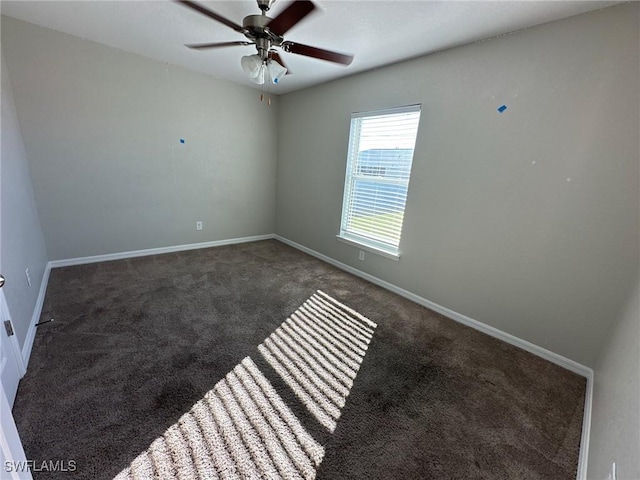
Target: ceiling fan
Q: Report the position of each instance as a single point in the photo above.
(266, 33)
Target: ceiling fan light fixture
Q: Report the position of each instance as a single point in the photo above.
(259, 76)
(251, 64)
(276, 71)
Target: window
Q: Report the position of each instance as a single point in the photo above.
(379, 161)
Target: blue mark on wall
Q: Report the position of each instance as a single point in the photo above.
(182, 140)
(502, 108)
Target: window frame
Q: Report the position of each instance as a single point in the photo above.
(345, 235)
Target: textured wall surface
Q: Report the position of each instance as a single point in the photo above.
(102, 132)
(615, 426)
(526, 220)
(21, 239)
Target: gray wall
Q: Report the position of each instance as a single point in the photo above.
(487, 232)
(615, 426)
(21, 239)
(102, 132)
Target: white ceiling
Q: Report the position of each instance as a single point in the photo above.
(377, 32)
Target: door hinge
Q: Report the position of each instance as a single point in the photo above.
(8, 327)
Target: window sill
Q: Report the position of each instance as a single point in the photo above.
(368, 248)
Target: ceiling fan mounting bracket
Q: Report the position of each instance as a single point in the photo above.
(265, 5)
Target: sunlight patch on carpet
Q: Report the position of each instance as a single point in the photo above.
(318, 351)
(242, 428)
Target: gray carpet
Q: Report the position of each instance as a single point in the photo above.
(137, 344)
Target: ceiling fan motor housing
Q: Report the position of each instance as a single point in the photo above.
(256, 30)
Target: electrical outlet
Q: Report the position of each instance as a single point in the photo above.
(26, 274)
(361, 255)
(198, 225)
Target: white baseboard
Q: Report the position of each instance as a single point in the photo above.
(552, 357)
(37, 311)
(15, 345)
(458, 317)
(154, 251)
(31, 334)
(586, 430)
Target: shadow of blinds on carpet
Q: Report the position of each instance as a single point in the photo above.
(222, 436)
(318, 351)
(242, 428)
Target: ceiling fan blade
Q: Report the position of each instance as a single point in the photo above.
(210, 14)
(291, 15)
(315, 52)
(275, 56)
(201, 46)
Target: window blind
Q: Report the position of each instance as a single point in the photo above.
(379, 160)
